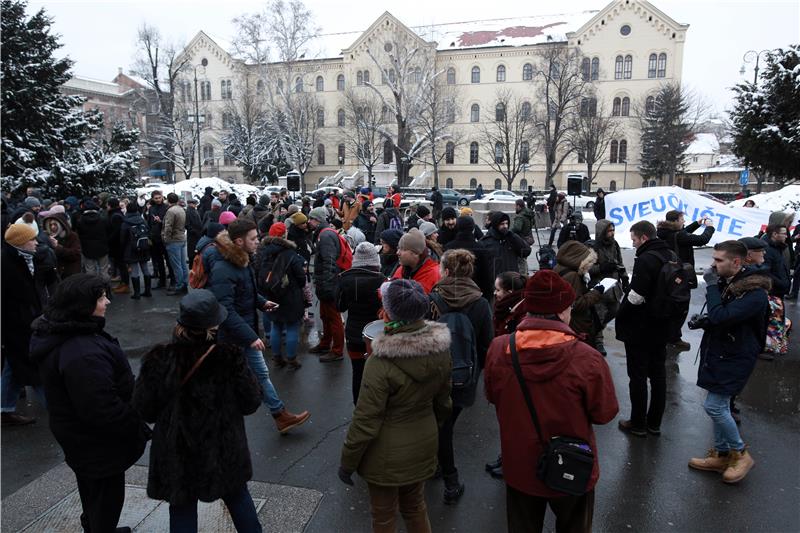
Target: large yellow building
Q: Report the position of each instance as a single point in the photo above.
(630, 48)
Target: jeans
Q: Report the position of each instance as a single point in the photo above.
(647, 362)
(267, 324)
(384, 503)
(726, 434)
(176, 251)
(96, 266)
(255, 359)
(183, 517)
(10, 389)
(447, 457)
(525, 513)
(332, 327)
(101, 500)
(139, 270)
(292, 337)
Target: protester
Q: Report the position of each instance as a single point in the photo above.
(395, 195)
(479, 191)
(599, 207)
(415, 261)
(393, 435)
(447, 230)
(66, 244)
(173, 233)
(437, 203)
(524, 222)
(609, 265)
(357, 295)
(431, 233)
(390, 240)
(575, 230)
(559, 213)
(465, 240)
(136, 248)
(155, 221)
(205, 201)
(570, 387)
(507, 250)
(93, 231)
(733, 336)
(115, 217)
(389, 218)
(212, 214)
(775, 263)
(194, 228)
(552, 198)
(350, 210)
(89, 384)
(367, 221)
(749, 203)
(508, 296)
(299, 235)
(573, 262)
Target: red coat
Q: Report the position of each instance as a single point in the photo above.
(396, 200)
(571, 388)
(427, 274)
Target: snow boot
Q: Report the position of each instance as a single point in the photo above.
(136, 283)
(148, 280)
(740, 463)
(714, 461)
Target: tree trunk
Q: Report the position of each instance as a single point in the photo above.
(435, 166)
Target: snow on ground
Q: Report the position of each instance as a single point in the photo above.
(786, 199)
(196, 186)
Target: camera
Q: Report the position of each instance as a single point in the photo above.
(699, 321)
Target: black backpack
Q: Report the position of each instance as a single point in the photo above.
(275, 281)
(546, 257)
(673, 288)
(140, 237)
(463, 348)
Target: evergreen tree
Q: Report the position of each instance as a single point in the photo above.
(765, 119)
(666, 134)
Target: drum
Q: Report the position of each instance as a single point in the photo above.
(371, 331)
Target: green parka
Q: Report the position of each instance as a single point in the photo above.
(404, 399)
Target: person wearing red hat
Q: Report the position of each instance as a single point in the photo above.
(570, 387)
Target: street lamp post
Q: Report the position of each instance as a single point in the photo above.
(749, 57)
(203, 63)
(625, 176)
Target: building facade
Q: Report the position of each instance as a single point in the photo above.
(629, 48)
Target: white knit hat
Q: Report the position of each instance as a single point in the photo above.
(366, 256)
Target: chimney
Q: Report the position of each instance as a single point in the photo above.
(119, 70)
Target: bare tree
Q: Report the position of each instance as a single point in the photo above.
(438, 115)
(511, 138)
(364, 141)
(561, 87)
(175, 141)
(590, 134)
(296, 122)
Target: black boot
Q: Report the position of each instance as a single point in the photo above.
(147, 281)
(494, 465)
(453, 488)
(136, 283)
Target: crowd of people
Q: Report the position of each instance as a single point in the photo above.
(455, 303)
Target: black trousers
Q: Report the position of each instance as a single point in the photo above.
(159, 257)
(447, 458)
(102, 501)
(676, 324)
(358, 373)
(525, 513)
(647, 362)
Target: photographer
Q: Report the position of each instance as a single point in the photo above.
(735, 330)
(575, 230)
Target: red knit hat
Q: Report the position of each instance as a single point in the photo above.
(546, 293)
(278, 229)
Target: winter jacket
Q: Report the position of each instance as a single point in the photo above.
(577, 232)
(300, 238)
(609, 256)
(93, 231)
(560, 213)
(778, 271)
(405, 398)
(292, 305)
(357, 294)
(363, 222)
(233, 282)
(483, 273)
(389, 263)
(205, 204)
(194, 226)
(115, 218)
(681, 240)
(426, 273)
(156, 211)
(508, 312)
(523, 224)
(571, 388)
(212, 215)
(88, 384)
(174, 229)
(21, 304)
(199, 449)
(68, 250)
(350, 211)
(572, 263)
(129, 252)
(505, 249)
(325, 268)
(737, 312)
(437, 200)
(462, 295)
(385, 220)
(599, 208)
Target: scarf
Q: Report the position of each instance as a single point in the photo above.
(503, 314)
(28, 257)
(402, 326)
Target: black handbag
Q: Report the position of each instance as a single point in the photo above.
(567, 462)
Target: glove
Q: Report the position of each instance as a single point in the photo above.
(608, 268)
(345, 476)
(710, 276)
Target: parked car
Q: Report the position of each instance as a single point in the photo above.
(501, 195)
(272, 188)
(582, 202)
(325, 190)
(450, 197)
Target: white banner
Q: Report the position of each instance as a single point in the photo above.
(652, 203)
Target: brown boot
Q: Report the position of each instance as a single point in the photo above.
(713, 462)
(286, 420)
(122, 288)
(739, 465)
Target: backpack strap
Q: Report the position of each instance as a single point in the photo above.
(197, 365)
(525, 392)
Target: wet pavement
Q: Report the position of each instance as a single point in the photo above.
(645, 485)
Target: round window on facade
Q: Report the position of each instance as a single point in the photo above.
(387, 47)
(625, 30)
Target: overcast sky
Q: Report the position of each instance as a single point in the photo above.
(100, 35)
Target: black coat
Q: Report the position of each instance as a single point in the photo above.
(199, 449)
(599, 208)
(682, 240)
(159, 211)
(483, 272)
(505, 251)
(778, 271)
(325, 268)
(292, 305)
(194, 225)
(94, 232)
(115, 218)
(581, 234)
(363, 223)
(205, 203)
(300, 238)
(129, 254)
(88, 384)
(357, 293)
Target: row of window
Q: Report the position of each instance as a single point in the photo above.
(656, 66)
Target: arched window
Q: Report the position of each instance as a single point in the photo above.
(500, 112)
(340, 118)
(626, 106)
(476, 75)
(524, 152)
(451, 76)
(498, 152)
(449, 183)
(449, 153)
(473, 153)
(320, 84)
(650, 105)
(523, 184)
(388, 153)
(628, 69)
(586, 67)
(614, 149)
(618, 68)
(498, 184)
(298, 85)
(475, 113)
(320, 118)
(451, 112)
(340, 154)
(615, 107)
(612, 186)
(385, 115)
(340, 82)
(588, 107)
(366, 76)
(595, 68)
(581, 156)
(501, 73)
(417, 76)
(662, 65)
(652, 183)
(320, 154)
(525, 112)
(623, 151)
(208, 154)
(392, 76)
(651, 66)
(473, 183)
(527, 72)
(260, 87)
(359, 78)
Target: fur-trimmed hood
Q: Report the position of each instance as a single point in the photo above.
(674, 225)
(576, 256)
(749, 282)
(230, 252)
(414, 351)
(279, 241)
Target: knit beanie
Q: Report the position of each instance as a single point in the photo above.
(278, 229)
(404, 299)
(355, 237)
(298, 218)
(263, 200)
(448, 213)
(392, 237)
(292, 209)
(227, 217)
(216, 203)
(318, 213)
(19, 233)
(413, 241)
(546, 293)
(428, 228)
(466, 212)
(366, 256)
(32, 201)
(423, 211)
(465, 224)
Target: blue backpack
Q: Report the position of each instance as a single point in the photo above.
(463, 348)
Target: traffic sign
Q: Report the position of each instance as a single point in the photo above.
(744, 177)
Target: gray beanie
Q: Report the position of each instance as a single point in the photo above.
(32, 201)
(404, 299)
(355, 237)
(216, 202)
(318, 213)
(428, 228)
(366, 256)
(413, 241)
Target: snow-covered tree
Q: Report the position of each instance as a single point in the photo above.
(765, 119)
(296, 124)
